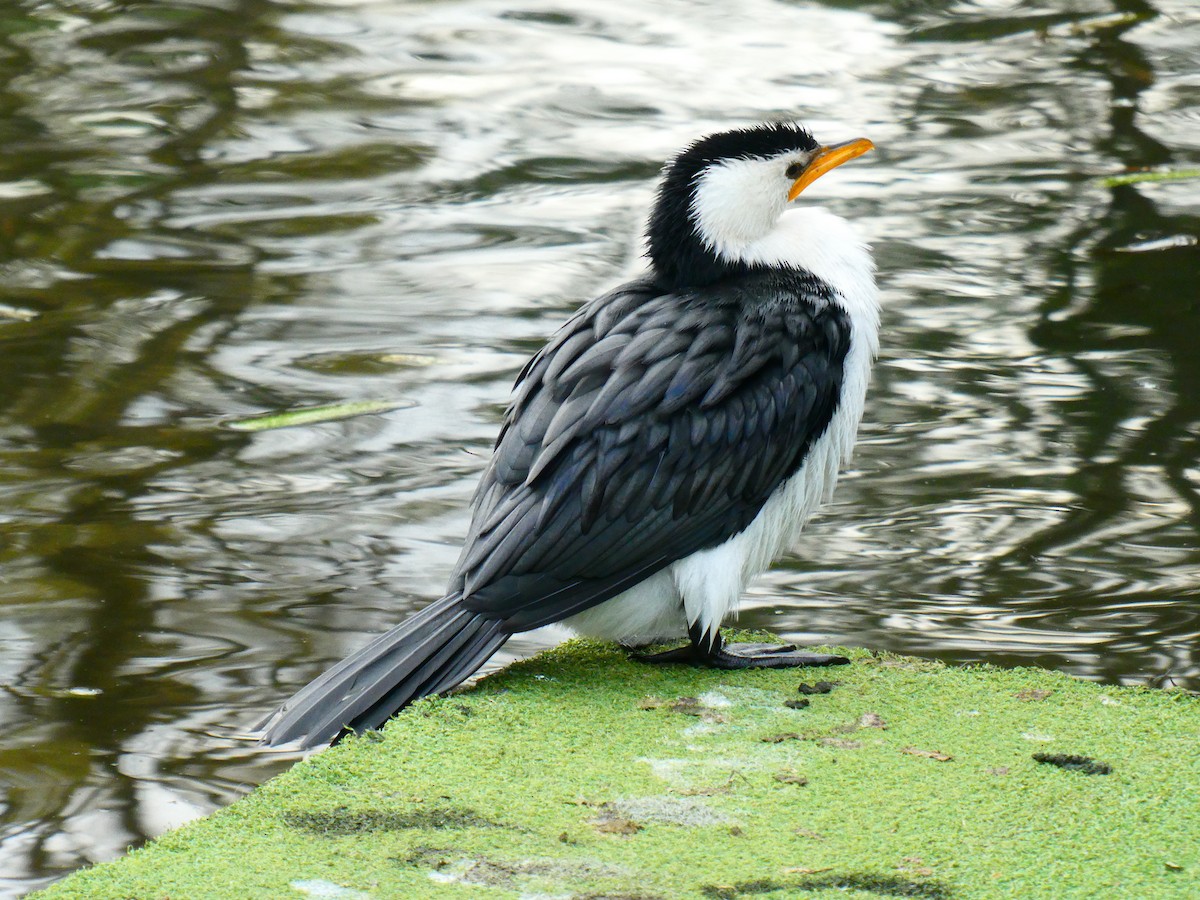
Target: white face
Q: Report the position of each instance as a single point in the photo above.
(738, 201)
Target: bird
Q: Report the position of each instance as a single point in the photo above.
(667, 443)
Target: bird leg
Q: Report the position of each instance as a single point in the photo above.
(716, 654)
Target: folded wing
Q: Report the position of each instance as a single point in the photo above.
(652, 426)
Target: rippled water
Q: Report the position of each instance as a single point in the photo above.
(217, 208)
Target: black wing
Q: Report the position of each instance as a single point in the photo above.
(653, 425)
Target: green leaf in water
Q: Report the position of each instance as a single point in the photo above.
(315, 414)
(17, 313)
(1149, 176)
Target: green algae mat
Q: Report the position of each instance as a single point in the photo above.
(580, 774)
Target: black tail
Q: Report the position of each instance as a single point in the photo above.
(430, 652)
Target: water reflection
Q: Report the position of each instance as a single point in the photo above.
(1126, 332)
(1053, 543)
(249, 206)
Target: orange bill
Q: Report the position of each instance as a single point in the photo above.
(828, 158)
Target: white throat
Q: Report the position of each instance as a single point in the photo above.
(743, 216)
(814, 239)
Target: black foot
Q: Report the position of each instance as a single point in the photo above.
(719, 655)
(769, 656)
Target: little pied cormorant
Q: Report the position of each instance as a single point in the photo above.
(666, 444)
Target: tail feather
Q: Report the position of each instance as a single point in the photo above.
(428, 653)
(472, 656)
(341, 691)
(448, 666)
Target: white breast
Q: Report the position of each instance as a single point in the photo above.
(709, 583)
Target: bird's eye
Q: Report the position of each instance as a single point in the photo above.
(794, 171)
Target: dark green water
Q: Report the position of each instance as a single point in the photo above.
(217, 208)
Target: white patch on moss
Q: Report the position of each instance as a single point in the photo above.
(669, 811)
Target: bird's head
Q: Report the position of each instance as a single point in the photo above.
(727, 191)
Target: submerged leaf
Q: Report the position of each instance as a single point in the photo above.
(1150, 176)
(315, 414)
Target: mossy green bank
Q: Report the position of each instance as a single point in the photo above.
(582, 774)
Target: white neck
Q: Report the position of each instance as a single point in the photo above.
(820, 242)
(817, 241)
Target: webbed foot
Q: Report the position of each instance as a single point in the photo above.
(719, 655)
